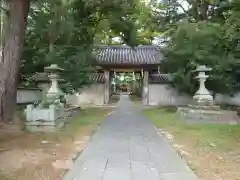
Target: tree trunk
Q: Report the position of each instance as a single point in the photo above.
(10, 64)
(203, 10)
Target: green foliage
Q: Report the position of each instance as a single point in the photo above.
(199, 43)
(215, 44)
(63, 32)
(232, 26)
(205, 32)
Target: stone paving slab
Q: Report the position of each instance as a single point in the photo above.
(128, 147)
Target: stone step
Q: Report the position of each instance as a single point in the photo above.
(205, 107)
(209, 116)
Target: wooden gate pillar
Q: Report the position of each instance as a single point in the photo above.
(145, 92)
(106, 87)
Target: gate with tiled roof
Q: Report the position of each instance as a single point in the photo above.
(145, 60)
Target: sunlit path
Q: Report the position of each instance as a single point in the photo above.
(128, 147)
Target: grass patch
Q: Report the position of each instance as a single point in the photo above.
(224, 136)
(135, 98)
(217, 144)
(4, 177)
(87, 117)
(114, 98)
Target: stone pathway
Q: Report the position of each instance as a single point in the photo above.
(128, 147)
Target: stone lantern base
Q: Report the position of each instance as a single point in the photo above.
(203, 99)
(203, 110)
(208, 114)
(49, 119)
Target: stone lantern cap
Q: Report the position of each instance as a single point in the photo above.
(202, 68)
(53, 68)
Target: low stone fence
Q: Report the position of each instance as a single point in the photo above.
(28, 95)
(165, 95)
(48, 119)
(91, 95)
(228, 100)
(158, 95)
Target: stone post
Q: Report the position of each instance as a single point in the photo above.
(54, 92)
(106, 87)
(203, 96)
(51, 115)
(28, 112)
(114, 85)
(145, 88)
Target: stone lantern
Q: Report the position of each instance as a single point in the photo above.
(50, 114)
(54, 92)
(114, 85)
(203, 96)
(205, 111)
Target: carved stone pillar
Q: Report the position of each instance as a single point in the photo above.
(145, 88)
(106, 87)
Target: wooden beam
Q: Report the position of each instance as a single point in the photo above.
(129, 66)
(145, 88)
(125, 70)
(106, 87)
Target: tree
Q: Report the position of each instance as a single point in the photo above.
(10, 64)
(3, 22)
(198, 10)
(215, 44)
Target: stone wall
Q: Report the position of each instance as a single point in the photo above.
(92, 95)
(165, 95)
(229, 100)
(158, 94)
(28, 95)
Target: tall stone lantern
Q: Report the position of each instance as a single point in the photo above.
(203, 96)
(205, 111)
(114, 85)
(54, 93)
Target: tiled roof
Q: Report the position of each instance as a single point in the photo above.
(159, 78)
(98, 77)
(125, 55)
(153, 78)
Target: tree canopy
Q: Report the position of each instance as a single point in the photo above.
(65, 32)
(205, 33)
